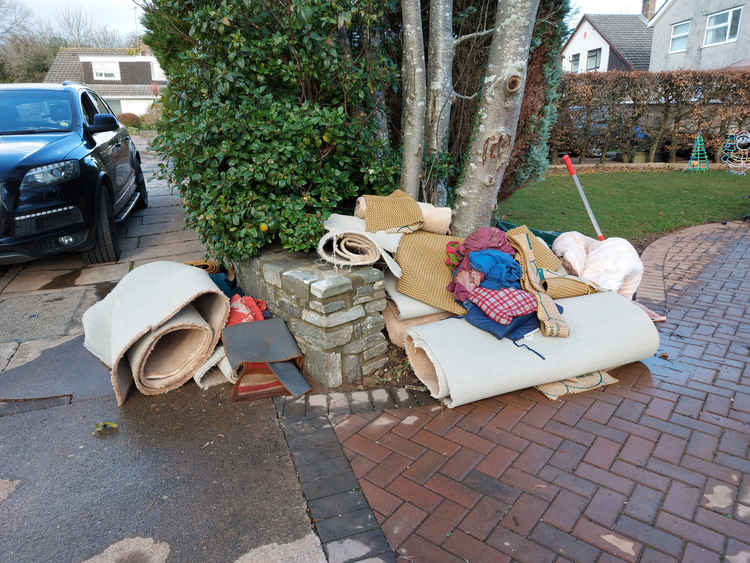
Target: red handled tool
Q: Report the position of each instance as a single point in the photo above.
(572, 171)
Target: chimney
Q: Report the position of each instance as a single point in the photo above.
(648, 9)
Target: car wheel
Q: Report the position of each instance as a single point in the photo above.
(106, 247)
(140, 182)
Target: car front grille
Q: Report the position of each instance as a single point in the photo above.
(47, 220)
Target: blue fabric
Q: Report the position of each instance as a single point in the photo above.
(517, 329)
(223, 284)
(499, 269)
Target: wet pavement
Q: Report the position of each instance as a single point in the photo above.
(187, 476)
(654, 468)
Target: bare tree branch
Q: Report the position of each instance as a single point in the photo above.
(470, 36)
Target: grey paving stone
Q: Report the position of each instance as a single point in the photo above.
(357, 547)
(340, 503)
(344, 525)
(330, 486)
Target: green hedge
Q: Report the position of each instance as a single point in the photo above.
(267, 122)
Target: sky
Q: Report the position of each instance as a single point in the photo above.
(117, 14)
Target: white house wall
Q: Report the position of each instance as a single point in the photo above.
(136, 106)
(698, 56)
(584, 40)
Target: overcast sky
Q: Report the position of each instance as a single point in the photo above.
(120, 14)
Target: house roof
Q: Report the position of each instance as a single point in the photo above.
(627, 34)
(67, 65)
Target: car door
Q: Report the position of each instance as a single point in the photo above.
(123, 161)
(104, 150)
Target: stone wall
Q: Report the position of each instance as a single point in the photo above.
(334, 314)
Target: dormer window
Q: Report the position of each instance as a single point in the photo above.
(106, 70)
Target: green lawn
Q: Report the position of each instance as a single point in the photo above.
(633, 205)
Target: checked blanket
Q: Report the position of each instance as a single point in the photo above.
(502, 305)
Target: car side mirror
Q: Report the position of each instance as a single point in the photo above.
(103, 122)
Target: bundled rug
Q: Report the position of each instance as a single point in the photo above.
(157, 327)
(460, 363)
(348, 244)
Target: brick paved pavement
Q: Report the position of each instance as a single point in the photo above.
(654, 468)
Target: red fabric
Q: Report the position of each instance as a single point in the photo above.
(245, 309)
(501, 305)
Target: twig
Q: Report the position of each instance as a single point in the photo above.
(470, 36)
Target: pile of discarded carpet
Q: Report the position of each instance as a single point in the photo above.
(496, 311)
(161, 326)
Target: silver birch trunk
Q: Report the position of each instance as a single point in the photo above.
(440, 86)
(414, 91)
(497, 117)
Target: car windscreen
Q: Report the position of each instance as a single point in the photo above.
(35, 111)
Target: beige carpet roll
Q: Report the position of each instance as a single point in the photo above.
(406, 307)
(169, 355)
(157, 327)
(397, 327)
(460, 363)
(435, 219)
(394, 213)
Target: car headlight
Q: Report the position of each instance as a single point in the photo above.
(51, 174)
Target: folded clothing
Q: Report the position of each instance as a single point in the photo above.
(517, 328)
(502, 305)
(499, 269)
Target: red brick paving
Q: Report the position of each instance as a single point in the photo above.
(654, 468)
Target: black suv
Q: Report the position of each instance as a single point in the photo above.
(69, 172)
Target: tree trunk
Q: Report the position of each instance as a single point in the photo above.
(440, 89)
(414, 88)
(381, 111)
(656, 141)
(584, 147)
(497, 117)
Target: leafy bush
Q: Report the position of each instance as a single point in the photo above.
(267, 123)
(129, 119)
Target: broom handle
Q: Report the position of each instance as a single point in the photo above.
(572, 171)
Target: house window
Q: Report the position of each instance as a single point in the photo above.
(723, 27)
(680, 32)
(574, 62)
(106, 70)
(594, 59)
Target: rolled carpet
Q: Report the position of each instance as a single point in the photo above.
(348, 244)
(460, 364)
(397, 327)
(157, 327)
(435, 219)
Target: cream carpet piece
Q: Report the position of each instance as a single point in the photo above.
(157, 327)
(346, 243)
(406, 307)
(215, 371)
(460, 363)
(398, 327)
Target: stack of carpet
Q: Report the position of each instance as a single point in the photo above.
(497, 311)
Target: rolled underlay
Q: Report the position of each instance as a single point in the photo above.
(166, 357)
